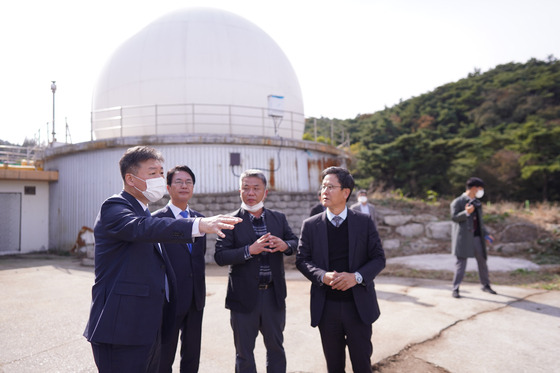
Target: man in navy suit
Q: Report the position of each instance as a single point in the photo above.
(340, 253)
(133, 277)
(256, 294)
(188, 264)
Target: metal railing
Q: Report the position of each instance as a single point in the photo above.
(168, 119)
(20, 155)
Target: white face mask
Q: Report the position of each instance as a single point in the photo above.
(362, 199)
(479, 193)
(155, 188)
(253, 208)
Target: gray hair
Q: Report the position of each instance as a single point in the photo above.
(252, 173)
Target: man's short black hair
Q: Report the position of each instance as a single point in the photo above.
(344, 178)
(475, 182)
(362, 191)
(130, 161)
(184, 168)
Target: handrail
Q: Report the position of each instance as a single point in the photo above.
(119, 121)
(20, 155)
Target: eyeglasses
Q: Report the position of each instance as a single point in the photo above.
(330, 187)
(179, 183)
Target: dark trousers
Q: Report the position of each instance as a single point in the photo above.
(190, 326)
(111, 358)
(270, 321)
(341, 326)
(461, 265)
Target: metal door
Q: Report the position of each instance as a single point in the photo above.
(10, 222)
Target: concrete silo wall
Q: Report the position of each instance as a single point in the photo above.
(89, 174)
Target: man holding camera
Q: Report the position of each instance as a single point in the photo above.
(468, 235)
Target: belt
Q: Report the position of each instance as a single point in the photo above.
(265, 286)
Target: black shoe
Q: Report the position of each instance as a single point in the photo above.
(488, 289)
(456, 293)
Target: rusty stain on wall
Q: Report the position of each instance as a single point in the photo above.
(271, 179)
(318, 165)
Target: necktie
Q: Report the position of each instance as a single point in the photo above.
(148, 213)
(185, 214)
(337, 220)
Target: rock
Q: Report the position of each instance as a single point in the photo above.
(511, 247)
(410, 230)
(384, 211)
(424, 218)
(440, 230)
(422, 244)
(391, 244)
(383, 230)
(519, 232)
(397, 220)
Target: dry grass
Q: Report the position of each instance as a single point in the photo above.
(545, 251)
(548, 278)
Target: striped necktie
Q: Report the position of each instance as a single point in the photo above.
(337, 220)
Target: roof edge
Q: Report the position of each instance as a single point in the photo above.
(198, 138)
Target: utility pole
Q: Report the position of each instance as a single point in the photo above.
(53, 89)
(315, 128)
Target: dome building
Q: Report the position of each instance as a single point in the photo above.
(207, 88)
(198, 71)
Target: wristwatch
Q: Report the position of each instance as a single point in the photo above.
(359, 278)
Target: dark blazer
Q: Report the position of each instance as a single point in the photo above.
(317, 209)
(366, 256)
(462, 237)
(189, 267)
(129, 290)
(243, 280)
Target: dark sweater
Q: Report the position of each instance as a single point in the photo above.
(337, 239)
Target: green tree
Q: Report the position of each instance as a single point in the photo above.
(539, 145)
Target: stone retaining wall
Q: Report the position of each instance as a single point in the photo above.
(401, 234)
(296, 207)
(414, 234)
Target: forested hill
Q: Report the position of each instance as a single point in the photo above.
(502, 125)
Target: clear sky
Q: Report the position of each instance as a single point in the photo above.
(351, 56)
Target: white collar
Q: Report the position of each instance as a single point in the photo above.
(343, 214)
(176, 210)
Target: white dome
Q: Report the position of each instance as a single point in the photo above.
(198, 70)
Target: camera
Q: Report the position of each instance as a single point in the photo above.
(476, 203)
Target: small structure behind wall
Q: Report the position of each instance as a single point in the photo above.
(24, 202)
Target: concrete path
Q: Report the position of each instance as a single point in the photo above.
(447, 262)
(44, 305)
